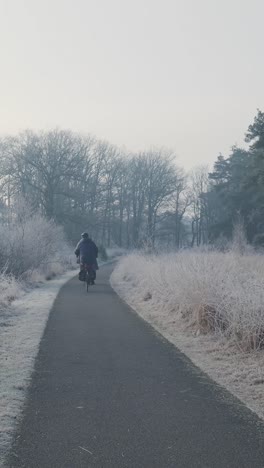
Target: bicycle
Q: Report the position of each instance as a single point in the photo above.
(89, 275)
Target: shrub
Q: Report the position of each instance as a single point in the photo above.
(30, 243)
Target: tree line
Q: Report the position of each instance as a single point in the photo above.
(87, 184)
(133, 199)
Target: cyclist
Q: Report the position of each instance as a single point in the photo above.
(87, 251)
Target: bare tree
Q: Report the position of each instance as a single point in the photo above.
(161, 173)
(87, 184)
(180, 202)
(41, 166)
(199, 183)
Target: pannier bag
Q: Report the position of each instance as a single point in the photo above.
(82, 275)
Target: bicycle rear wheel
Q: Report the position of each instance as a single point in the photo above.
(86, 280)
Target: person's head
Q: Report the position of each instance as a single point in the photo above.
(85, 235)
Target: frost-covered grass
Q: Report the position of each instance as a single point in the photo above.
(211, 305)
(21, 326)
(32, 250)
(209, 291)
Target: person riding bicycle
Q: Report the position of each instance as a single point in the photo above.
(87, 251)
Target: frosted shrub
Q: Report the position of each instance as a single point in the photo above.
(214, 292)
(30, 244)
(10, 289)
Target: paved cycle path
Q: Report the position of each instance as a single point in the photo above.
(109, 392)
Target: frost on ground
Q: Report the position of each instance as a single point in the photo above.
(22, 323)
(211, 306)
(32, 250)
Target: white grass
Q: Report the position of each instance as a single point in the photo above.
(21, 328)
(211, 305)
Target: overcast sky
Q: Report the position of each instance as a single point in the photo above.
(185, 74)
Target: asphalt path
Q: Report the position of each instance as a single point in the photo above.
(109, 392)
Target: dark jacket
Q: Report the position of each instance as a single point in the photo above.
(87, 251)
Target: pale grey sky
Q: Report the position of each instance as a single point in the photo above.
(185, 74)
